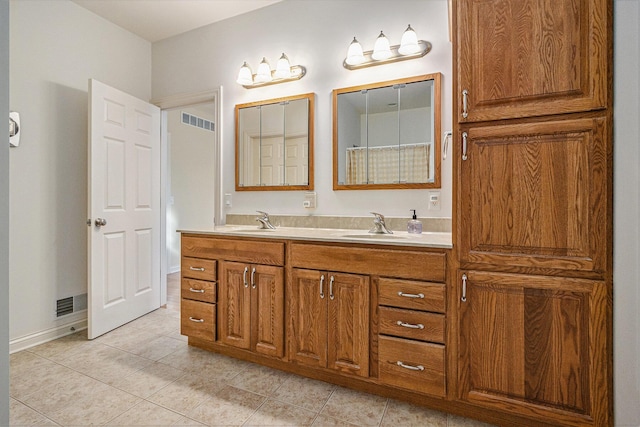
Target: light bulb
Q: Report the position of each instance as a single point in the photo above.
(264, 72)
(409, 42)
(354, 53)
(245, 76)
(381, 49)
(283, 68)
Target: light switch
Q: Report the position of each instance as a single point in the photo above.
(227, 200)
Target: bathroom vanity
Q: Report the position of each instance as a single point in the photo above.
(367, 311)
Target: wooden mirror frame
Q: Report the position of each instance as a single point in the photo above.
(437, 126)
(310, 97)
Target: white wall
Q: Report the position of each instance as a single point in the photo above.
(4, 213)
(315, 34)
(626, 267)
(191, 179)
(56, 46)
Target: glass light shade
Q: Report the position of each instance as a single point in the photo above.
(264, 72)
(354, 54)
(409, 42)
(381, 49)
(283, 68)
(245, 76)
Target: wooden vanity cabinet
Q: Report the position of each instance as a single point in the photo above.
(251, 302)
(533, 218)
(330, 320)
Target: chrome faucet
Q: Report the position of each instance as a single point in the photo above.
(379, 227)
(264, 221)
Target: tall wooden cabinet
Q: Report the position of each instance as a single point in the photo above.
(533, 211)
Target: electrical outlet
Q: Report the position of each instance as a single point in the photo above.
(434, 200)
(310, 200)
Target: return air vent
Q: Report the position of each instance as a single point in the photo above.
(190, 119)
(70, 305)
(64, 306)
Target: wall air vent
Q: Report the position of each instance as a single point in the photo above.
(191, 120)
(64, 306)
(70, 305)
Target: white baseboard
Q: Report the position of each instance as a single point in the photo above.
(175, 269)
(47, 335)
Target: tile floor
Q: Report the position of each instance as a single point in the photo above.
(145, 374)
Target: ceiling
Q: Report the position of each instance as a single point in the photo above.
(155, 20)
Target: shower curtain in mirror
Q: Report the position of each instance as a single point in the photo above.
(389, 164)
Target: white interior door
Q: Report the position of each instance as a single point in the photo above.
(124, 208)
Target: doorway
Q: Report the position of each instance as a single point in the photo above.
(191, 135)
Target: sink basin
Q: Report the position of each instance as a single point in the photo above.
(372, 236)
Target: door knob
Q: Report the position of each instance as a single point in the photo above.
(100, 222)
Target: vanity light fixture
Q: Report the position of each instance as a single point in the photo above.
(409, 48)
(284, 72)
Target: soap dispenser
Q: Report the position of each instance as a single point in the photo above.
(414, 226)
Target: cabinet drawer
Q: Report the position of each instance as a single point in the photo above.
(407, 264)
(412, 324)
(199, 290)
(195, 268)
(410, 294)
(231, 249)
(198, 319)
(412, 365)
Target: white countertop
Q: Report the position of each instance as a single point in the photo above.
(398, 238)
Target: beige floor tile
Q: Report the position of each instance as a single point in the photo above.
(275, 413)
(96, 406)
(187, 392)
(107, 364)
(228, 407)
(204, 362)
(25, 360)
(259, 379)
(22, 415)
(327, 421)
(125, 337)
(456, 421)
(148, 414)
(155, 348)
(58, 349)
(407, 415)
(26, 380)
(355, 407)
(304, 392)
(149, 380)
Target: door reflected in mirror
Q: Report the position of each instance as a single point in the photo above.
(274, 144)
(387, 135)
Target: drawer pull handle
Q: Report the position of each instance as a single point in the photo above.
(193, 319)
(244, 277)
(410, 367)
(465, 104)
(197, 291)
(410, 325)
(253, 277)
(402, 294)
(196, 268)
(331, 295)
(322, 286)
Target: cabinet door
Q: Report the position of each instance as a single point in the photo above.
(535, 345)
(530, 57)
(308, 311)
(267, 312)
(535, 195)
(348, 323)
(234, 305)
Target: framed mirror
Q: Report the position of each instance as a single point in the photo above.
(387, 135)
(274, 144)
